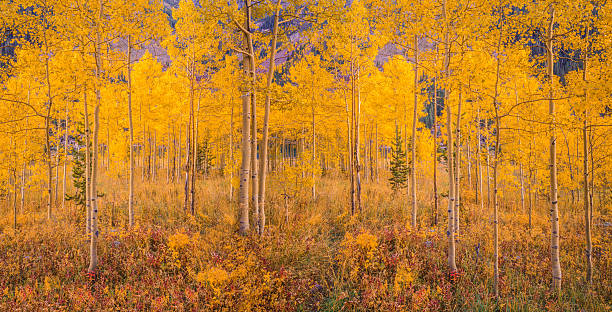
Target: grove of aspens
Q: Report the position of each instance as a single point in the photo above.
(305, 155)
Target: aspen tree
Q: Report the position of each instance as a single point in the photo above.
(195, 153)
(65, 157)
(521, 174)
(264, 147)
(87, 164)
(587, 216)
(479, 196)
(414, 123)
(451, 197)
(57, 162)
(23, 181)
(488, 153)
(585, 18)
(349, 138)
(468, 160)
(187, 156)
(313, 156)
(585, 164)
(496, 106)
(231, 152)
(168, 157)
(131, 140)
(195, 38)
(457, 160)
(376, 152)
(93, 260)
(356, 115)
(179, 151)
(250, 48)
(435, 144)
(554, 210)
(245, 167)
(14, 175)
(531, 175)
(48, 126)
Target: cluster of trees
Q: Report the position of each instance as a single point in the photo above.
(499, 93)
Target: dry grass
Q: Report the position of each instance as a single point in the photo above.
(322, 260)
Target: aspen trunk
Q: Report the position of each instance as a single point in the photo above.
(413, 141)
(179, 152)
(87, 165)
(23, 171)
(451, 187)
(245, 167)
(154, 149)
(554, 210)
(231, 153)
(131, 141)
(592, 191)
(532, 176)
(520, 161)
(370, 157)
(479, 198)
(107, 150)
(363, 154)
(376, 152)
(302, 151)
(530, 195)
(313, 156)
(149, 143)
(469, 159)
(23, 185)
(57, 162)
(495, 178)
(585, 163)
(587, 215)
(356, 148)
(187, 158)
(172, 153)
(571, 172)
(167, 154)
(144, 160)
(488, 174)
(93, 263)
(141, 155)
(495, 208)
(15, 194)
(47, 130)
(175, 151)
(435, 149)
(194, 157)
(12, 179)
(577, 158)
(65, 160)
(458, 162)
(349, 137)
(252, 83)
(522, 187)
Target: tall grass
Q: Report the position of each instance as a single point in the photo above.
(322, 259)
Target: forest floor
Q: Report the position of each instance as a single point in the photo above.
(324, 259)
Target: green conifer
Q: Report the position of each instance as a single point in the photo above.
(78, 167)
(399, 168)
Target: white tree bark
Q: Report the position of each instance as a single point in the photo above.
(245, 167)
(554, 209)
(413, 198)
(131, 141)
(93, 263)
(261, 201)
